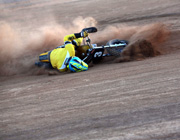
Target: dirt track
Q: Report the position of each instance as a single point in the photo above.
(137, 100)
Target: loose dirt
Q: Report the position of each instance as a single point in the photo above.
(115, 101)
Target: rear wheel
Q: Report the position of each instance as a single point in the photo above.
(116, 51)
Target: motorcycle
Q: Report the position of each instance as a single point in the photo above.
(92, 53)
(89, 52)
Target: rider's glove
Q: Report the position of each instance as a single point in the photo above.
(84, 34)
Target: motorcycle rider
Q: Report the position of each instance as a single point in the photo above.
(63, 58)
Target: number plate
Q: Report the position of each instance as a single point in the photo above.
(98, 54)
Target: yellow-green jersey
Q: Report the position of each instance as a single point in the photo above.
(59, 56)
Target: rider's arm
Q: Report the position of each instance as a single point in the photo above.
(71, 37)
(74, 39)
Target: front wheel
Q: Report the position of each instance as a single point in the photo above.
(116, 51)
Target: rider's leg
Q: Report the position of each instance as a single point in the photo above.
(44, 60)
(45, 57)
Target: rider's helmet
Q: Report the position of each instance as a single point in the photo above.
(77, 65)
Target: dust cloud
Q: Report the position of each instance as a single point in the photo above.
(20, 49)
(144, 41)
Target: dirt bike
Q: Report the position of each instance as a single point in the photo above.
(92, 53)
